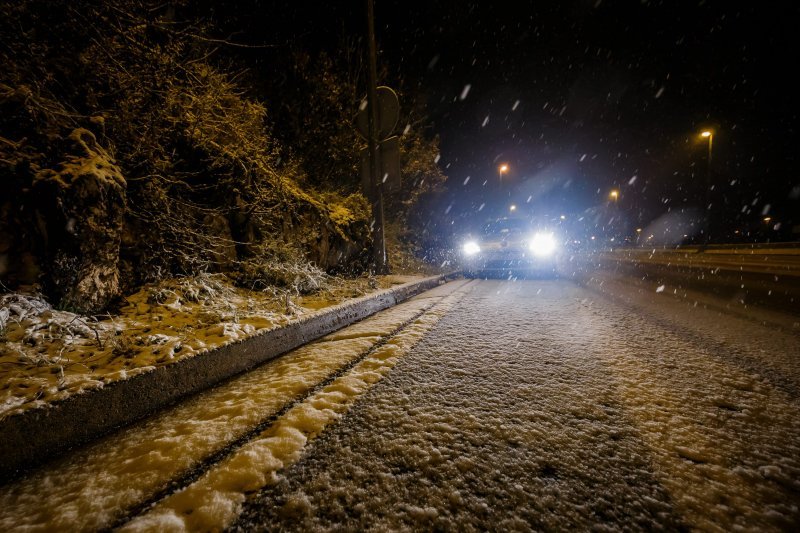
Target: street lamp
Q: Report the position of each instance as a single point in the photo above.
(613, 195)
(502, 169)
(708, 134)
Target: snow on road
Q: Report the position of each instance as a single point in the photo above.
(95, 486)
(214, 501)
(717, 403)
(763, 340)
(541, 405)
(522, 405)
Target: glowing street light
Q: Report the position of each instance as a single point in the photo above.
(708, 134)
(512, 208)
(502, 169)
(614, 195)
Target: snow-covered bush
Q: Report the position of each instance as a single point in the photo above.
(280, 268)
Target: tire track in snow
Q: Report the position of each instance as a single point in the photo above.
(503, 418)
(213, 500)
(786, 379)
(232, 447)
(724, 441)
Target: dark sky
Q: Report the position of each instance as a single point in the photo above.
(579, 97)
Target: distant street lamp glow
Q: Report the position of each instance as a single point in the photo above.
(614, 195)
(512, 207)
(708, 134)
(502, 169)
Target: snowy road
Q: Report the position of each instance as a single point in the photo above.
(538, 404)
(541, 405)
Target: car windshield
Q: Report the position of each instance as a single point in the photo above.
(506, 226)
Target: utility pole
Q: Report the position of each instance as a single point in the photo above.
(379, 262)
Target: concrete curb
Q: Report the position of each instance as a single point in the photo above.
(38, 435)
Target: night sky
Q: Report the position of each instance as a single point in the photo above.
(585, 96)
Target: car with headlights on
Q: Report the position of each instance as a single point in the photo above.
(510, 247)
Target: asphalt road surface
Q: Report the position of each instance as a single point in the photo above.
(606, 403)
(545, 405)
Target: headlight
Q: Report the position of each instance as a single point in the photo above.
(543, 244)
(471, 248)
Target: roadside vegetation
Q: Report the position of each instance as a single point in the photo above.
(136, 148)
